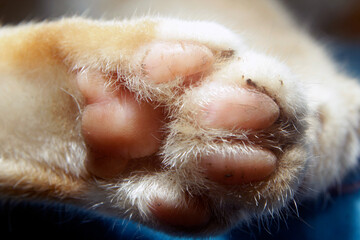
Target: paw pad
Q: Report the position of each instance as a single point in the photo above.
(122, 127)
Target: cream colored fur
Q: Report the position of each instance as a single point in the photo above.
(42, 151)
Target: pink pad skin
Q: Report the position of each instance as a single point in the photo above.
(240, 168)
(240, 109)
(166, 61)
(191, 215)
(116, 126)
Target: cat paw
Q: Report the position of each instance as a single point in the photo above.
(195, 136)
